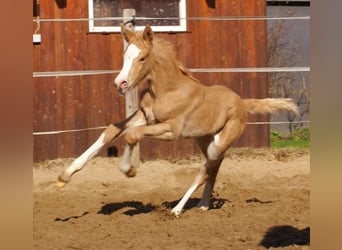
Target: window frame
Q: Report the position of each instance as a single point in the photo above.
(182, 27)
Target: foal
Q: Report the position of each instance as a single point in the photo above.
(176, 105)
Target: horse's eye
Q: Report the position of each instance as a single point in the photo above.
(142, 59)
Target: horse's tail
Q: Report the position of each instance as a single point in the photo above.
(270, 105)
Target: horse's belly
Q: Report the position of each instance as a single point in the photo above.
(201, 127)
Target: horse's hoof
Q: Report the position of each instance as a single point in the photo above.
(60, 184)
(202, 206)
(131, 173)
(177, 213)
(62, 180)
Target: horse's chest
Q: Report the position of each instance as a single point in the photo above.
(165, 110)
(162, 113)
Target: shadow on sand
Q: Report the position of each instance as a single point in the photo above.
(282, 236)
(71, 217)
(137, 207)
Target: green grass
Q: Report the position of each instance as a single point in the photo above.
(298, 139)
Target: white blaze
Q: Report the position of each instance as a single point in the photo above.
(131, 53)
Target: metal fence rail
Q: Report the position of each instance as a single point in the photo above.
(195, 70)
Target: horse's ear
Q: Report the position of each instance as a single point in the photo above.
(126, 33)
(148, 34)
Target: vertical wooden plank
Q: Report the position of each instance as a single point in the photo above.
(229, 38)
(74, 59)
(252, 53)
(58, 47)
(96, 53)
(43, 119)
(80, 121)
(77, 59)
(131, 103)
(115, 103)
(131, 96)
(209, 43)
(44, 93)
(188, 52)
(261, 61)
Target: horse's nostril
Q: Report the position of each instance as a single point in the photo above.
(123, 85)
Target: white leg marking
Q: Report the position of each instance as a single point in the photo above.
(177, 210)
(212, 150)
(125, 164)
(78, 163)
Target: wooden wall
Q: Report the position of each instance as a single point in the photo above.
(76, 102)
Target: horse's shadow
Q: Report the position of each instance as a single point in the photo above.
(215, 203)
(132, 208)
(136, 207)
(283, 236)
(71, 217)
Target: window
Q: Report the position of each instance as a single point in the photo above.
(163, 15)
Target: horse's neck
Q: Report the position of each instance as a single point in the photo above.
(165, 77)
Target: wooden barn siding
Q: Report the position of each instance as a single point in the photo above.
(62, 103)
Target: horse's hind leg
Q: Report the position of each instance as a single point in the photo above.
(201, 177)
(213, 148)
(207, 175)
(199, 180)
(110, 133)
(214, 153)
(212, 167)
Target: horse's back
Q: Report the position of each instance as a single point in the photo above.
(221, 97)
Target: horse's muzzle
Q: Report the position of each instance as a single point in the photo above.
(122, 87)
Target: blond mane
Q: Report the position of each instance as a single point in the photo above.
(163, 52)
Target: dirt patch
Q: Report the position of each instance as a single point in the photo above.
(261, 200)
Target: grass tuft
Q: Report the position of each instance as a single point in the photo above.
(297, 139)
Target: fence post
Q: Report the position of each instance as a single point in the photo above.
(131, 97)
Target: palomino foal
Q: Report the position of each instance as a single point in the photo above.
(176, 105)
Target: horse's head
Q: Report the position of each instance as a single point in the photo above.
(137, 61)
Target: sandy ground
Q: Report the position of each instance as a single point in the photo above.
(261, 201)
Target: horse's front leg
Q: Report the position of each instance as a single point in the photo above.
(125, 165)
(162, 131)
(110, 133)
